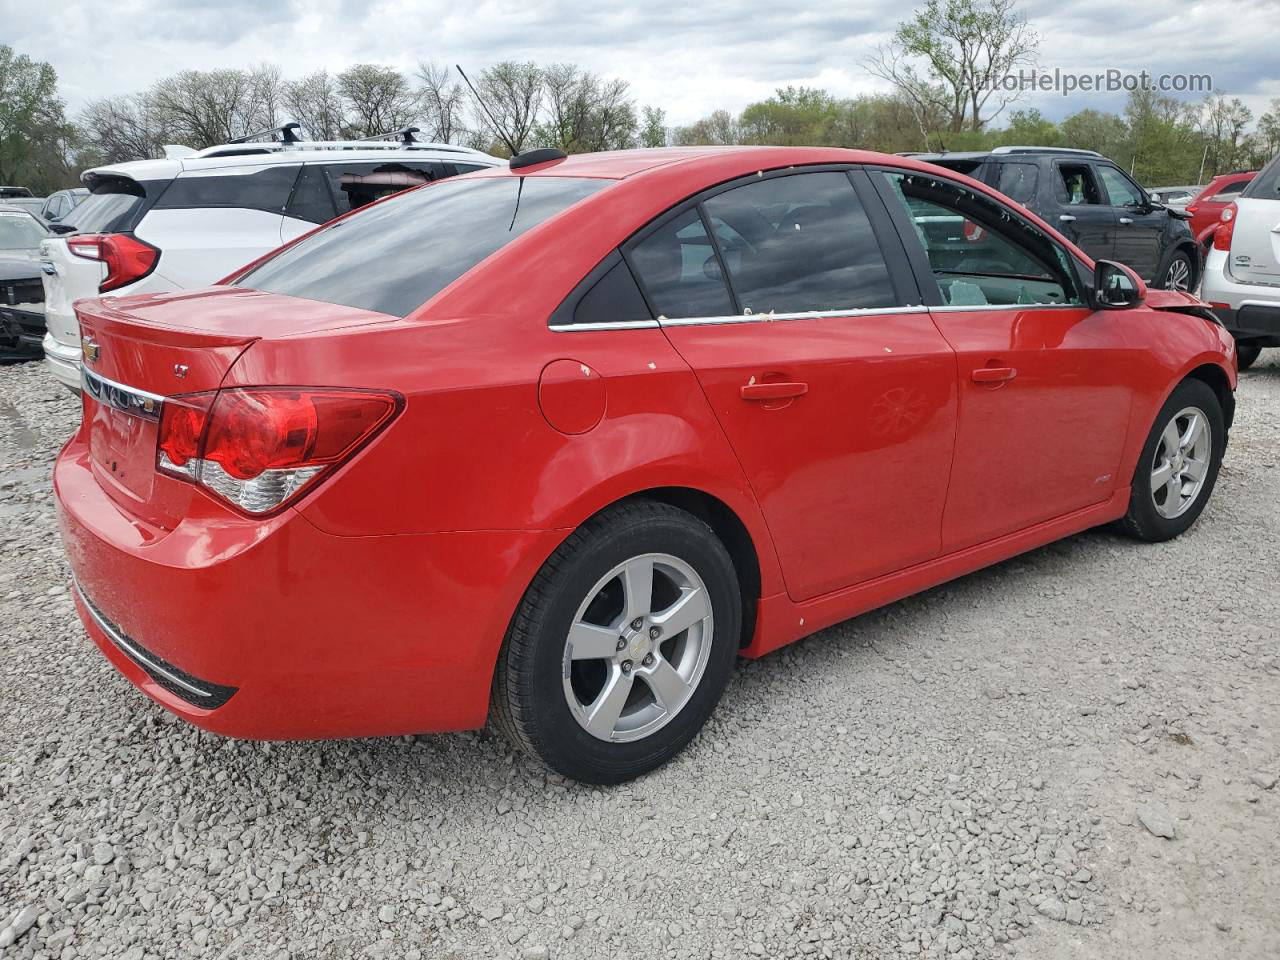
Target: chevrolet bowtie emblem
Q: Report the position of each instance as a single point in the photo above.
(91, 349)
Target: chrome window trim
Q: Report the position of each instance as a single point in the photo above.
(132, 650)
(130, 400)
(808, 315)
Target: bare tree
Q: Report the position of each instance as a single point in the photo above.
(512, 93)
(719, 128)
(124, 128)
(583, 112)
(443, 102)
(201, 108)
(951, 56)
(377, 99)
(313, 102)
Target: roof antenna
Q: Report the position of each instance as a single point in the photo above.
(496, 129)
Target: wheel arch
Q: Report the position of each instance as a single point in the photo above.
(1216, 378)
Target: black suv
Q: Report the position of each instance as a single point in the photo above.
(1094, 203)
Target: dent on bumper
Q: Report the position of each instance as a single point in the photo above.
(320, 636)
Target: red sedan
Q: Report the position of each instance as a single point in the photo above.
(555, 444)
(1206, 209)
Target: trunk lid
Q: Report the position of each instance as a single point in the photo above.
(140, 350)
(1255, 242)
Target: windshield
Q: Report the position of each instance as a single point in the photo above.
(20, 231)
(393, 257)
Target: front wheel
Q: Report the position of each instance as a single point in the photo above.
(622, 644)
(1179, 274)
(1179, 464)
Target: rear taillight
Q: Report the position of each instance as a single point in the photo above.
(127, 258)
(258, 448)
(1226, 227)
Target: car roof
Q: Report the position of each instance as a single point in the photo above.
(169, 168)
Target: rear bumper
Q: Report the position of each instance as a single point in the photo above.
(1252, 311)
(297, 634)
(62, 361)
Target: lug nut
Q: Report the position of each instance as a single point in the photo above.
(637, 623)
(648, 660)
(626, 666)
(655, 633)
(622, 642)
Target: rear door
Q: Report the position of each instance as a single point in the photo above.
(1139, 226)
(834, 387)
(1083, 213)
(212, 221)
(1255, 244)
(1043, 379)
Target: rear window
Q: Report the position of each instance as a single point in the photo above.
(114, 204)
(394, 257)
(1266, 185)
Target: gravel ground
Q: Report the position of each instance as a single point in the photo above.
(1073, 754)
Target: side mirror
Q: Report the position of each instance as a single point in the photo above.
(1116, 287)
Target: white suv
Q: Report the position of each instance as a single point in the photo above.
(195, 217)
(1242, 272)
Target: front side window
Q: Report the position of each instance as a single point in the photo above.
(800, 243)
(394, 257)
(979, 252)
(1076, 185)
(1119, 188)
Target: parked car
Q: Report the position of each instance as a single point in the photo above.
(191, 219)
(1206, 209)
(1242, 273)
(10, 193)
(1174, 196)
(1095, 203)
(58, 205)
(32, 205)
(648, 411)
(21, 292)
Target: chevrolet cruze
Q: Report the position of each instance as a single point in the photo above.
(555, 443)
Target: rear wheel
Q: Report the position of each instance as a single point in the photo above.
(1179, 464)
(1247, 355)
(621, 646)
(1179, 274)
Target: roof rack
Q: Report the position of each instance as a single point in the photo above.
(1002, 151)
(285, 137)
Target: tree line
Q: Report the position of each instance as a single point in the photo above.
(941, 63)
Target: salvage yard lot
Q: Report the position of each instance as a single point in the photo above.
(978, 771)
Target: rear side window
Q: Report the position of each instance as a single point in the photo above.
(800, 243)
(114, 204)
(311, 200)
(261, 190)
(1076, 185)
(393, 257)
(1230, 191)
(680, 271)
(1266, 185)
(1018, 181)
(356, 184)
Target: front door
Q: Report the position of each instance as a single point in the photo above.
(839, 400)
(1042, 378)
(1139, 226)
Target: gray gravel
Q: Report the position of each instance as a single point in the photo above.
(1071, 755)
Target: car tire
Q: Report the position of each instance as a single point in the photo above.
(1179, 274)
(601, 710)
(1247, 355)
(1178, 466)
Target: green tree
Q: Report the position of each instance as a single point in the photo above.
(37, 142)
(653, 127)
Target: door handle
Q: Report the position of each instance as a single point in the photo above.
(1067, 218)
(994, 374)
(773, 391)
(1126, 221)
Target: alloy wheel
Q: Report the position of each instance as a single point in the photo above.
(637, 648)
(1181, 462)
(1178, 276)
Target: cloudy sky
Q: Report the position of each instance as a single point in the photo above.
(689, 58)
